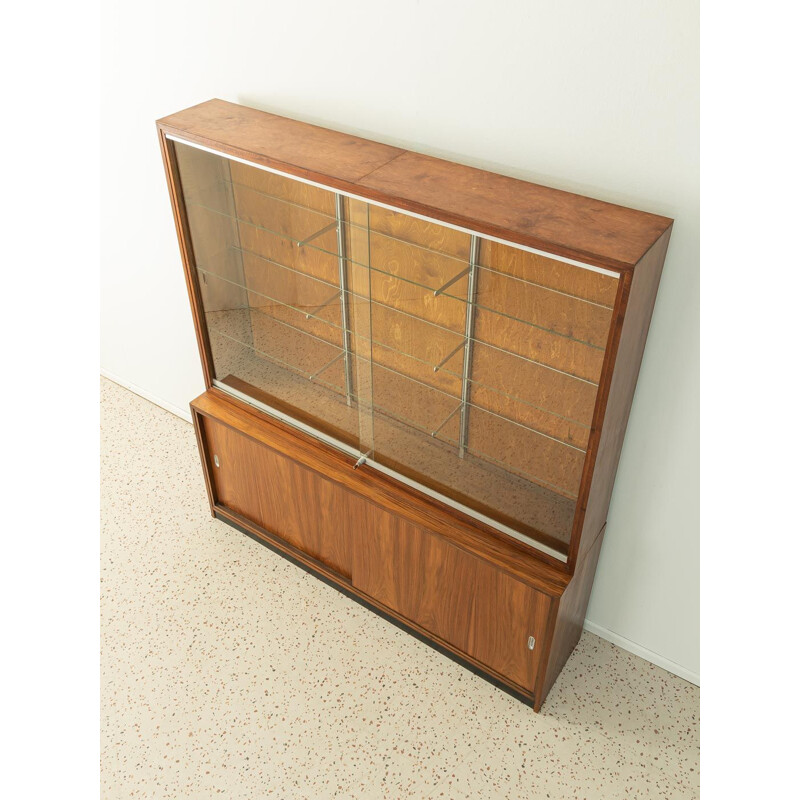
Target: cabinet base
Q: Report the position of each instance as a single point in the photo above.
(507, 614)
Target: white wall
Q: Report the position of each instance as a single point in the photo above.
(596, 98)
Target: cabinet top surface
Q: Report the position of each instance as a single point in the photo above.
(562, 223)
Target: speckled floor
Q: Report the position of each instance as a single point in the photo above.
(227, 671)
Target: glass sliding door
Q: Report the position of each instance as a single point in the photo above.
(281, 314)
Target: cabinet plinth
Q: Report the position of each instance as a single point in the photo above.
(418, 374)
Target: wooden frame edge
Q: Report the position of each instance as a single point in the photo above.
(187, 255)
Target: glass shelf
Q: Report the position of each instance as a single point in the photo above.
(292, 272)
(579, 430)
(594, 318)
(461, 364)
(608, 304)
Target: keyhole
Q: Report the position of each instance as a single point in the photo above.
(216, 460)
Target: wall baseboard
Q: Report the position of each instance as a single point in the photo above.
(592, 627)
(178, 412)
(642, 652)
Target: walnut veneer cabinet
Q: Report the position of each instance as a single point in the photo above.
(418, 374)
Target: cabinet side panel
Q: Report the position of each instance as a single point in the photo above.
(591, 517)
(570, 614)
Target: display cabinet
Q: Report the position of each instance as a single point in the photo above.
(418, 374)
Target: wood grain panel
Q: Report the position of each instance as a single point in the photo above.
(356, 235)
(287, 189)
(419, 231)
(546, 348)
(298, 505)
(424, 347)
(285, 219)
(309, 261)
(320, 570)
(410, 262)
(547, 219)
(539, 386)
(272, 288)
(548, 310)
(552, 424)
(460, 598)
(443, 311)
(558, 275)
(297, 148)
(418, 371)
(570, 615)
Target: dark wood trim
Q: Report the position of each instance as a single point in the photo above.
(506, 553)
(331, 578)
(202, 447)
(187, 256)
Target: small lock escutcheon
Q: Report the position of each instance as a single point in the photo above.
(531, 643)
(216, 460)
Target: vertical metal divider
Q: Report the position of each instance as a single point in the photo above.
(343, 293)
(469, 330)
(368, 442)
(238, 254)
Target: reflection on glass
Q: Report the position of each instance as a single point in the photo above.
(466, 365)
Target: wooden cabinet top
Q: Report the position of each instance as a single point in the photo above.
(558, 222)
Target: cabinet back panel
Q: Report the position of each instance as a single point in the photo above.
(269, 246)
(543, 271)
(268, 183)
(419, 231)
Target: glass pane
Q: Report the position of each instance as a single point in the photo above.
(280, 313)
(486, 362)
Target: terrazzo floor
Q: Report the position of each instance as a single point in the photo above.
(227, 671)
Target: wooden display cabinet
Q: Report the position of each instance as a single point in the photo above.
(418, 374)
